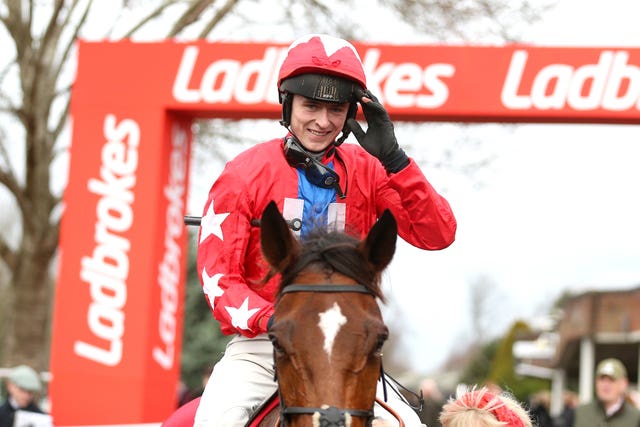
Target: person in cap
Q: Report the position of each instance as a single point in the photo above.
(480, 407)
(23, 386)
(610, 408)
(314, 179)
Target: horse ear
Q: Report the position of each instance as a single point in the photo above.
(380, 244)
(279, 246)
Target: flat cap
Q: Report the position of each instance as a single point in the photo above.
(26, 378)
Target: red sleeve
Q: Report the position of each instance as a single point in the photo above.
(226, 243)
(424, 217)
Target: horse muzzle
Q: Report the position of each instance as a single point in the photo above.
(330, 416)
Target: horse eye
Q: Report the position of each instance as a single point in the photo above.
(379, 343)
(274, 341)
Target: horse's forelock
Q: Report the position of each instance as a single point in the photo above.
(334, 252)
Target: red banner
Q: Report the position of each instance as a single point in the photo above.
(119, 298)
(119, 312)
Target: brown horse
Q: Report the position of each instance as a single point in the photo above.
(328, 331)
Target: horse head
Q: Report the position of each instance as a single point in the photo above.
(328, 330)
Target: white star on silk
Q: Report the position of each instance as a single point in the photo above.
(240, 316)
(211, 223)
(331, 44)
(210, 285)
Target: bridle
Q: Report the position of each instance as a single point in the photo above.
(330, 416)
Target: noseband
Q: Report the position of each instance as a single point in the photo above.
(330, 416)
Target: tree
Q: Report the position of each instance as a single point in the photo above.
(503, 366)
(493, 363)
(38, 45)
(478, 368)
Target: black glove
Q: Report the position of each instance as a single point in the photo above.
(380, 139)
(270, 323)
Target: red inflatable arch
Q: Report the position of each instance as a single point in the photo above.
(119, 297)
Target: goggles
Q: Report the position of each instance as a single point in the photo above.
(316, 172)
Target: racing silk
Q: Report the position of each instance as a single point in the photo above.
(230, 260)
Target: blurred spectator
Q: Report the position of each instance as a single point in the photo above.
(23, 385)
(540, 403)
(472, 407)
(633, 397)
(610, 407)
(433, 402)
(565, 419)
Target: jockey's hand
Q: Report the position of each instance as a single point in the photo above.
(266, 322)
(379, 139)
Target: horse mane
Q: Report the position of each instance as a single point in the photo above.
(332, 252)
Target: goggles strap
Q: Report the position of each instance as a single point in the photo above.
(316, 172)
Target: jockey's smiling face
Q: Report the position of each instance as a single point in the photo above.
(317, 124)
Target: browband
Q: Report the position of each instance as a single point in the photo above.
(326, 288)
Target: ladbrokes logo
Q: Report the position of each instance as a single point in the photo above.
(611, 84)
(171, 265)
(107, 269)
(225, 80)
(228, 79)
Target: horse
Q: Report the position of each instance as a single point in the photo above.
(327, 329)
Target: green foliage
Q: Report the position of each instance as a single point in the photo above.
(524, 387)
(203, 343)
(494, 363)
(503, 367)
(565, 296)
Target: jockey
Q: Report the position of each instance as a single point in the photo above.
(314, 179)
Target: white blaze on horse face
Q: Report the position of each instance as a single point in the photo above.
(330, 323)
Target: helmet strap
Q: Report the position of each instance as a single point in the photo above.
(317, 173)
(286, 100)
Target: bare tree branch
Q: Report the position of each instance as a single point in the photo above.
(13, 24)
(55, 133)
(72, 40)
(14, 111)
(8, 179)
(63, 59)
(51, 241)
(29, 22)
(10, 106)
(3, 75)
(189, 16)
(4, 155)
(151, 16)
(224, 11)
(8, 256)
(51, 34)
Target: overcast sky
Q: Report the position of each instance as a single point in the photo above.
(558, 209)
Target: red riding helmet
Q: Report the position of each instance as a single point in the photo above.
(321, 67)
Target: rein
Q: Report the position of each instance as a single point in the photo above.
(326, 288)
(329, 416)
